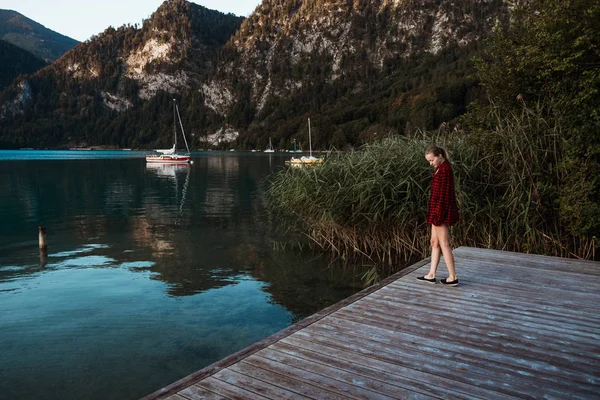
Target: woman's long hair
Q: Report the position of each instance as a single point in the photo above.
(437, 150)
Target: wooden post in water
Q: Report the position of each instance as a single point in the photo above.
(43, 245)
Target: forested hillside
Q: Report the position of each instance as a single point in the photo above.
(32, 36)
(15, 61)
(359, 69)
(111, 89)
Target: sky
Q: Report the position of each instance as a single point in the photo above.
(80, 19)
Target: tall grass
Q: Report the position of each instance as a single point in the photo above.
(509, 183)
(373, 202)
(359, 203)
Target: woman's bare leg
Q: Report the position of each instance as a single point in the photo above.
(444, 241)
(435, 253)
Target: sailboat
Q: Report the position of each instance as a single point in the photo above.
(270, 149)
(310, 160)
(170, 156)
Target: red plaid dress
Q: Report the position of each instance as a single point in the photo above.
(442, 201)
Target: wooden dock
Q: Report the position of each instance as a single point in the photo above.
(518, 326)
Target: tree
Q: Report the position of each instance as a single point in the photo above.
(551, 54)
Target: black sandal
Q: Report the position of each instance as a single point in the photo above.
(422, 278)
(449, 283)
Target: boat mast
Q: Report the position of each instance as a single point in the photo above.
(309, 140)
(174, 126)
(182, 130)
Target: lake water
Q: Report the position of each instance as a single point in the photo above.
(152, 272)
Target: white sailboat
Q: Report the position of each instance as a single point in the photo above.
(270, 149)
(170, 156)
(310, 160)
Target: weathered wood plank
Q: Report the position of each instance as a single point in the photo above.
(491, 302)
(364, 385)
(255, 369)
(518, 326)
(410, 380)
(176, 397)
(582, 364)
(492, 318)
(492, 272)
(325, 378)
(540, 263)
(427, 363)
(530, 278)
(533, 295)
(264, 388)
(509, 256)
(510, 259)
(227, 390)
(484, 304)
(198, 393)
(445, 358)
(443, 349)
(514, 347)
(516, 340)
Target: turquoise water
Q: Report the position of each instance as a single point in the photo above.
(152, 272)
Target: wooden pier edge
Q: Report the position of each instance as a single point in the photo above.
(236, 357)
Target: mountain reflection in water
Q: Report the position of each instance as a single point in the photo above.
(194, 226)
(136, 249)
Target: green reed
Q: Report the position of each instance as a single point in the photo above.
(372, 203)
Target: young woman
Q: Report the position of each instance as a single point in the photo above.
(443, 212)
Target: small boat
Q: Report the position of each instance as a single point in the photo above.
(169, 159)
(170, 156)
(305, 161)
(270, 149)
(310, 160)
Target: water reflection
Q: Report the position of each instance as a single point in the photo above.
(157, 270)
(179, 176)
(227, 166)
(197, 225)
(169, 171)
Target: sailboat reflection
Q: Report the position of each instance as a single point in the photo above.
(167, 170)
(171, 172)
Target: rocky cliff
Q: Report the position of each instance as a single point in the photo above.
(359, 68)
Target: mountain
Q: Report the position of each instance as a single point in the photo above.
(117, 87)
(357, 68)
(15, 61)
(33, 37)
